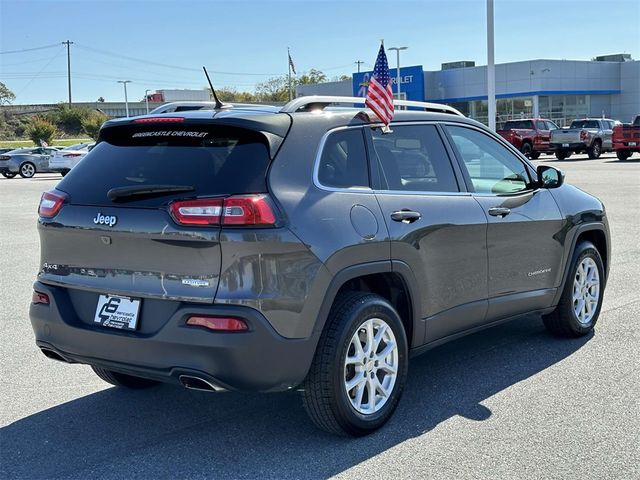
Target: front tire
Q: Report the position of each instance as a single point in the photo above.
(579, 307)
(123, 380)
(534, 155)
(27, 170)
(623, 154)
(562, 154)
(359, 368)
(526, 149)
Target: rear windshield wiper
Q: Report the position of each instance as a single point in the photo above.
(132, 191)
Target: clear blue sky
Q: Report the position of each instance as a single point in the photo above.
(250, 39)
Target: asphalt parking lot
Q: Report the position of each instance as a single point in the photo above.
(510, 402)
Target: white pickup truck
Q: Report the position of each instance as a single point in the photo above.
(588, 135)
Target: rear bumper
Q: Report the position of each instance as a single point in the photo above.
(573, 147)
(7, 169)
(256, 360)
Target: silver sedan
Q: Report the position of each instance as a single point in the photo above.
(26, 161)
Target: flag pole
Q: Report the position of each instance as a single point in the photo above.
(289, 65)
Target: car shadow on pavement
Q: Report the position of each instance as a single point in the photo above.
(170, 432)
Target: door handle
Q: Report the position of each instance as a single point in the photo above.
(499, 211)
(405, 216)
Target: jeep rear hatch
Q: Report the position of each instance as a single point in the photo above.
(142, 211)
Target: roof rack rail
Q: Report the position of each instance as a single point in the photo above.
(320, 102)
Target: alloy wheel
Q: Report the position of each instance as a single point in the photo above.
(586, 290)
(371, 366)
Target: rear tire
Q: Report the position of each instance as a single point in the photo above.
(27, 170)
(526, 149)
(8, 174)
(534, 155)
(344, 368)
(623, 154)
(562, 154)
(594, 150)
(123, 380)
(581, 300)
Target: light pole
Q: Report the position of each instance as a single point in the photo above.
(146, 100)
(491, 68)
(126, 100)
(397, 49)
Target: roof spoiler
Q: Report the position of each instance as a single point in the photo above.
(320, 102)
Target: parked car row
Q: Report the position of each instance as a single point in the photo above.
(26, 162)
(593, 136)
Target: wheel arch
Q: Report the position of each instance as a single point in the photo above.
(393, 281)
(596, 234)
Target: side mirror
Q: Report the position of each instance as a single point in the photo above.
(549, 177)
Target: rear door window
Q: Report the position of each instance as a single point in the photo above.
(212, 159)
(413, 158)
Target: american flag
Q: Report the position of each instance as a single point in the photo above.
(379, 93)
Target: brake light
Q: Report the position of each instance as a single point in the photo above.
(51, 203)
(248, 210)
(159, 120)
(218, 324)
(584, 134)
(72, 155)
(40, 298)
(5, 157)
(237, 210)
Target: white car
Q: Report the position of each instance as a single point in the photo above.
(67, 158)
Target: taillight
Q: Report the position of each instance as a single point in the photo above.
(72, 155)
(40, 298)
(197, 212)
(248, 210)
(159, 120)
(584, 134)
(51, 203)
(5, 157)
(238, 210)
(218, 324)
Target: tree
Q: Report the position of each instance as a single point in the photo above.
(68, 118)
(101, 99)
(275, 89)
(231, 94)
(91, 125)
(41, 130)
(6, 95)
(314, 76)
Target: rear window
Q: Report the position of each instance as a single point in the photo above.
(214, 160)
(519, 125)
(584, 124)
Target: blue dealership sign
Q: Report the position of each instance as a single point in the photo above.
(411, 82)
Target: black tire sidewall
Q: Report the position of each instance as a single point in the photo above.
(526, 149)
(351, 420)
(584, 250)
(24, 165)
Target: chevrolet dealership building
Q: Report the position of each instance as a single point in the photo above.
(560, 90)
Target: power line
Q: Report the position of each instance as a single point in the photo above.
(41, 70)
(6, 52)
(166, 65)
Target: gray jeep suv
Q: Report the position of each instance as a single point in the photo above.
(265, 249)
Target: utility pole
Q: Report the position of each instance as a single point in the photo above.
(68, 44)
(491, 68)
(358, 62)
(126, 100)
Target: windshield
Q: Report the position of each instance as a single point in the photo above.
(77, 146)
(518, 125)
(584, 124)
(20, 151)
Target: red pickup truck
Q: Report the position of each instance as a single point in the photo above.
(529, 135)
(626, 138)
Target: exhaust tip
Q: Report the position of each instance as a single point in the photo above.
(197, 383)
(53, 355)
